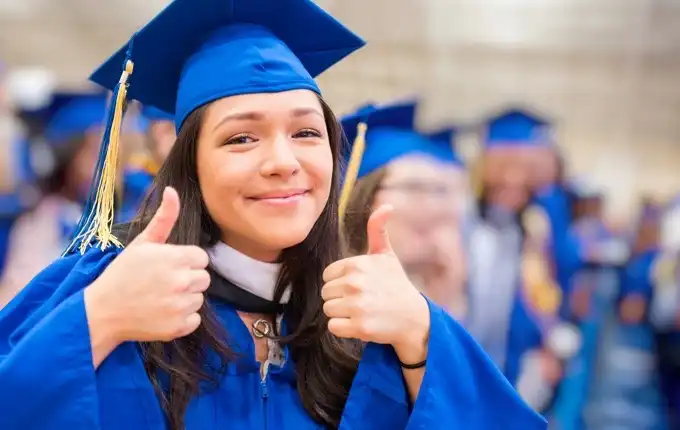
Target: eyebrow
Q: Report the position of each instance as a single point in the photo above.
(257, 116)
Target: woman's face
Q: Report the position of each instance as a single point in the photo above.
(265, 169)
(427, 197)
(507, 176)
(82, 165)
(545, 167)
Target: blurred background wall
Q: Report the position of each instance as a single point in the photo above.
(607, 71)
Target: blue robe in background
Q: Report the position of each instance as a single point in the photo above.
(637, 279)
(601, 282)
(48, 380)
(625, 390)
(555, 202)
(524, 336)
(663, 315)
(6, 223)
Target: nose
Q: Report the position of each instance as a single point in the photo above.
(281, 160)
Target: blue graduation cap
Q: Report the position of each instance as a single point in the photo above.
(391, 134)
(518, 127)
(68, 114)
(444, 141)
(380, 135)
(197, 51)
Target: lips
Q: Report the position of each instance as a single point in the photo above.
(281, 194)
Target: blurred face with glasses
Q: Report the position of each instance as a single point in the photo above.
(430, 201)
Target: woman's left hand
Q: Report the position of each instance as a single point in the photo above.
(369, 297)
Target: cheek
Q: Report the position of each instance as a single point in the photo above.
(220, 177)
(317, 164)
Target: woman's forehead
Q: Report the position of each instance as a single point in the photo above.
(264, 105)
(420, 167)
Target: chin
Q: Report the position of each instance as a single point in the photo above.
(285, 235)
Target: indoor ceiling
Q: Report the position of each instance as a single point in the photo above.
(609, 67)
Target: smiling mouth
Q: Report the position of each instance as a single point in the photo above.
(281, 196)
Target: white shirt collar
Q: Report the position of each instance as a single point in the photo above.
(256, 277)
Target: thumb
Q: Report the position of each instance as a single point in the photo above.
(159, 228)
(376, 230)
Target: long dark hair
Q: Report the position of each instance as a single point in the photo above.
(57, 179)
(325, 365)
(359, 210)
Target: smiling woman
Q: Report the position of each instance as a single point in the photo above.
(230, 305)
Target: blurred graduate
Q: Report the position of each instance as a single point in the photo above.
(514, 296)
(18, 191)
(61, 153)
(231, 305)
(425, 182)
(63, 158)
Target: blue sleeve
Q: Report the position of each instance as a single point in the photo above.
(461, 388)
(46, 370)
(569, 262)
(636, 279)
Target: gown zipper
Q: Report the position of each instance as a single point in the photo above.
(265, 391)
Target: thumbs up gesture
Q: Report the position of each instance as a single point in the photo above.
(152, 291)
(369, 297)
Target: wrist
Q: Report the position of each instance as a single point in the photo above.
(412, 345)
(102, 318)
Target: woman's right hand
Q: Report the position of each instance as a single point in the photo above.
(153, 290)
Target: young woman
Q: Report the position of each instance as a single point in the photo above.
(244, 213)
(426, 184)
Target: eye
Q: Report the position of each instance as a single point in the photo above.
(306, 134)
(240, 139)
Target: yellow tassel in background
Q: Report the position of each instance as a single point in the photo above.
(357, 155)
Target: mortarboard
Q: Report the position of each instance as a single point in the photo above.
(518, 127)
(197, 51)
(381, 135)
(68, 114)
(444, 140)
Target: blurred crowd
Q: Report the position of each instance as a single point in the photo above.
(583, 319)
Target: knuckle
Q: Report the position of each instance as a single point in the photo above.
(363, 307)
(198, 302)
(204, 280)
(327, 309)
(198, 256)
(179, 282)
(355, 283)
(363, 329)
(179, 331)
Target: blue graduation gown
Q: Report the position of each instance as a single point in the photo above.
(555, 201)
(6, 224)
(48, 379)
(637, 277)
(524, 336)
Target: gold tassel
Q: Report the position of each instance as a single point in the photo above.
(105, 199)
(356, 156)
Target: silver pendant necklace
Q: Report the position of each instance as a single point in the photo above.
(261, 328)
